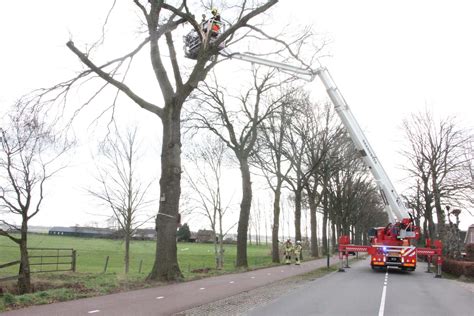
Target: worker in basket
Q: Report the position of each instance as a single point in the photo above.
(210, 30)
(216, 17)
(214, 23)
(287, 251)
(297, 251)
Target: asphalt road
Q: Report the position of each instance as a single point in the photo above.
(361, 291)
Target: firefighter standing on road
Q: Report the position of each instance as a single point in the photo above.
(287, 251)
(297, 250)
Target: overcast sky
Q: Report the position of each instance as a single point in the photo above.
(389, 58)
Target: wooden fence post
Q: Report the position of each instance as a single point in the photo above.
(106, 264)
(140, 266)
(73, 261)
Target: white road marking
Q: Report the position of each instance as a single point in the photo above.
(202, 288)
(231, 282)
(268, 273)
(94, 311)
(252, 277)
(384, 293)
(160, 297)
(282, 271)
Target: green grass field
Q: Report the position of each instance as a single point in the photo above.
(92, 253)
(89, 279)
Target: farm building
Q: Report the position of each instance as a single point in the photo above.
(204, 235)
(145, 234)
(83, 232)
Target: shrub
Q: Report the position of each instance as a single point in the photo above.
(25, 299)
(469, 269)
(470, 252)
(9, 299)
(459, 268)
(229, 241)
(183, 233)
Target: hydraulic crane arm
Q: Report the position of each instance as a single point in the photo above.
(303, 73)
(394, 206)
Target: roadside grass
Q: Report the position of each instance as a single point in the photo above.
(196, 261)
(318, 273)
(449, 276)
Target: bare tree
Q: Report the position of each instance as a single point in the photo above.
(366, 208)
(339, 174)
(295, 149)
(30, 156)
(271, 161)
(256, 220)
(470, 158)
(160, 19)
(204, 177)
(437, 157)
(237, 127)
(121, 186)
(415, 200)
(334, 162)
(323, 135)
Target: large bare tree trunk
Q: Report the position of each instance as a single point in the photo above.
(127, 253)
(441, 216)
(314, 231)
(245, 205)
(334, 234)
(166, 266)
(325, 233)
(298, 215)
(221, 243)
(127, 236)
(24, 280)
(276, 225)
(215, 243)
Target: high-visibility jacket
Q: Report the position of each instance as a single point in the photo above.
(298, 249)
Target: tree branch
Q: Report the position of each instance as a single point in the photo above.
(119, 85)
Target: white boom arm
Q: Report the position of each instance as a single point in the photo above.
(394, 206)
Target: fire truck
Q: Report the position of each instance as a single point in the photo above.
(390, 246)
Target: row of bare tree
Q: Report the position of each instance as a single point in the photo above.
(275, 132)
(439, 154)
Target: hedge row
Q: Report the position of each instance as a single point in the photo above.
(459, 268)
(470, 252)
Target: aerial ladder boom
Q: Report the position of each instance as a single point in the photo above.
(394, 206)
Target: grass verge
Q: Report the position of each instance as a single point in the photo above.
(196, 261)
